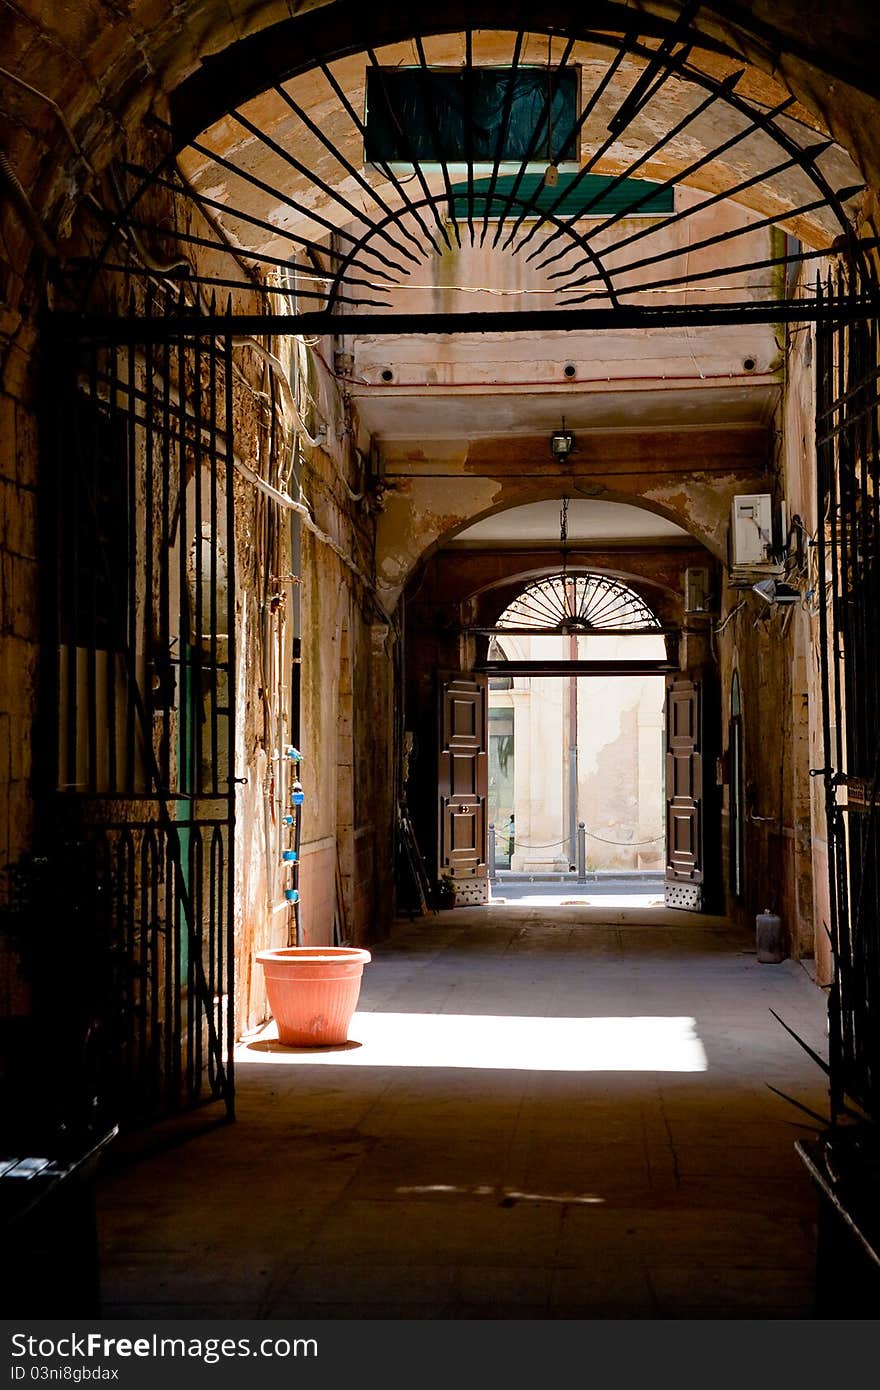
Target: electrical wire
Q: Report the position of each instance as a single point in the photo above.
(290, 504)
(167, 267)
(62, 119)
(29, 214)
(719, 628)
(603, 382)
(599, 294)
(276, 366)
(156, 264)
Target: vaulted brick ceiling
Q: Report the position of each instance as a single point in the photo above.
(693, 134)
(107, 65)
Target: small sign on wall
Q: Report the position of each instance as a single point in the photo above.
(860, 794)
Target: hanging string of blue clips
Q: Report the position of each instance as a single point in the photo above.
(290, 857)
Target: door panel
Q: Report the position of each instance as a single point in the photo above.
(463, 786)
(464, 774)
(463, 718)
(684, 838)
(736, 807)
(684, 794)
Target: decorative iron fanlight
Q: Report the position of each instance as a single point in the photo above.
(578, 603)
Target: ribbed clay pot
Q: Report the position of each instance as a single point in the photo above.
(313, 991)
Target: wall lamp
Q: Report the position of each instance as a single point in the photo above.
(561, 442)
(773, 592)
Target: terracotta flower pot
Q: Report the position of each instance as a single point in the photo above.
(313, 991)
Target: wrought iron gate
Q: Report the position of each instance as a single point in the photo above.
(139, 702)
(848, 581)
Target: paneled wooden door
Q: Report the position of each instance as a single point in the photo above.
(685, 803)
(463, 785)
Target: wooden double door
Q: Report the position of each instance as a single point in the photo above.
(463, 788)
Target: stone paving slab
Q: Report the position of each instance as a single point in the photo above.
(534, 1179)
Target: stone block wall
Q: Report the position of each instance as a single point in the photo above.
(19, 632)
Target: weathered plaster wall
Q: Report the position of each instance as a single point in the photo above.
(775, 653)
(799, 463)
(620, 749)
(619, 761)
(689, 476)
(346, 724)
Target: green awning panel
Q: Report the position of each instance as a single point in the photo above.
(595, 195)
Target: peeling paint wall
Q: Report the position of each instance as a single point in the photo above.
(774, 650)
(435, 497)
(810, 870)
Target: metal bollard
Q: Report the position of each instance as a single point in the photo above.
(582, 852)
(491, 852)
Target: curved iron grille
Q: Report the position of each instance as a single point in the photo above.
(578, 603)
(285, 190)
(847, 606)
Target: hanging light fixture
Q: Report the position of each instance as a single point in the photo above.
(561, 442)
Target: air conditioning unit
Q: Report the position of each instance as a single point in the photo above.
(751, 530)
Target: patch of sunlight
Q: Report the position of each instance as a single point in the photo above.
(504, 1194)
(607, 900)
(505, 1043)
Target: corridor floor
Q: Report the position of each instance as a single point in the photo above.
(541, 1113)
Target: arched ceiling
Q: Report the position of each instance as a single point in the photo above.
(122, 60)
(587, 519)
(104, 67)
(84, 79)
(291, 160)
(271, 169)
